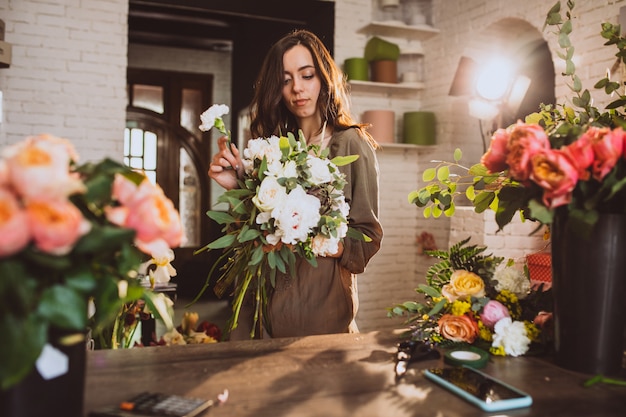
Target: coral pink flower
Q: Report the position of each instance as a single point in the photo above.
(56, 225)
(581, 155)
(39, 167)
(458, 328)
(556, 174)
(14, 230)
(147, 210)
(524, 142)
(495, 158)
(607, 146)
(493, 312)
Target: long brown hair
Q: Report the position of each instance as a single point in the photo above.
(269, 114)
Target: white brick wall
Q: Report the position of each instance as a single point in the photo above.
(69, 72)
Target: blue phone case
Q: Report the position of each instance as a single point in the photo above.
(523, 399)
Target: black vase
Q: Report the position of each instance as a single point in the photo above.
(589, 286)
(63, 395)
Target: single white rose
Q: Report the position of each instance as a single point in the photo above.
(270, 194)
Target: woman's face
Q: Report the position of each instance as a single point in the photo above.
(302, 85)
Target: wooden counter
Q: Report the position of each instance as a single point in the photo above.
(330, 375)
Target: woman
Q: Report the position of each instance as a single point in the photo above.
(301, 88)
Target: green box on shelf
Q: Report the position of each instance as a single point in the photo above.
(378, 49)
(356, 69)
(419, 128)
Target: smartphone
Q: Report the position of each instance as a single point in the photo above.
(155, 405)
(480, 389)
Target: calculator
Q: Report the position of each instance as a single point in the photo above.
(156, 405)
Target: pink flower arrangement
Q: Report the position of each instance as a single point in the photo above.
(561, 159)
(70, 235)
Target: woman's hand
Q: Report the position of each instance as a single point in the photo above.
(226, 166)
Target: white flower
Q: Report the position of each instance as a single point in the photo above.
(270, 194)
(512, 336)
(287, 170)
(212, 117)
(339, 203)
(263, 147)
(512, 279)
(299, 214)
(162, 258)
(324, 246)
(320, 170)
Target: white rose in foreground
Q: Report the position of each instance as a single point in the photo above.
(270, 195)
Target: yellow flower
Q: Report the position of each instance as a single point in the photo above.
(532, 331)
(484, 333)
(497, 351)
(458, 308)
(463, 285)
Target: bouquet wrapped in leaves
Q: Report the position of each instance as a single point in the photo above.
(289, 204)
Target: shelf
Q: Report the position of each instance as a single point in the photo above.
(387, 87)
(400, 30)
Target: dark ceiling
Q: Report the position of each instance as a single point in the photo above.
(210, 24)
(246, 28)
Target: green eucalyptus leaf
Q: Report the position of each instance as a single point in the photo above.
(344, 160)
(220, 217)
(429, 174)
(458, 154)
(222, 242)
(443, 173)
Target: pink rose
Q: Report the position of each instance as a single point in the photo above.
(458, 328)
(147, 210)
(56, 225)
(554, 172)
(524, 142)
(581, 155)
(493, 312)
(39, 167)
(14, 230)
(607, 146)
(495, 158)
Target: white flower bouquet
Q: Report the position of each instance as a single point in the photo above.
(289, 204)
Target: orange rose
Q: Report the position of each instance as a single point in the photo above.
(554, 172)
(458, 328)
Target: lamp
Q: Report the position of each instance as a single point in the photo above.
(495, 90)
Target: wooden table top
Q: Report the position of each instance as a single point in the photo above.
(329, 375)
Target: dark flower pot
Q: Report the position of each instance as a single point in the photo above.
(63, 395)
(589, 285)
